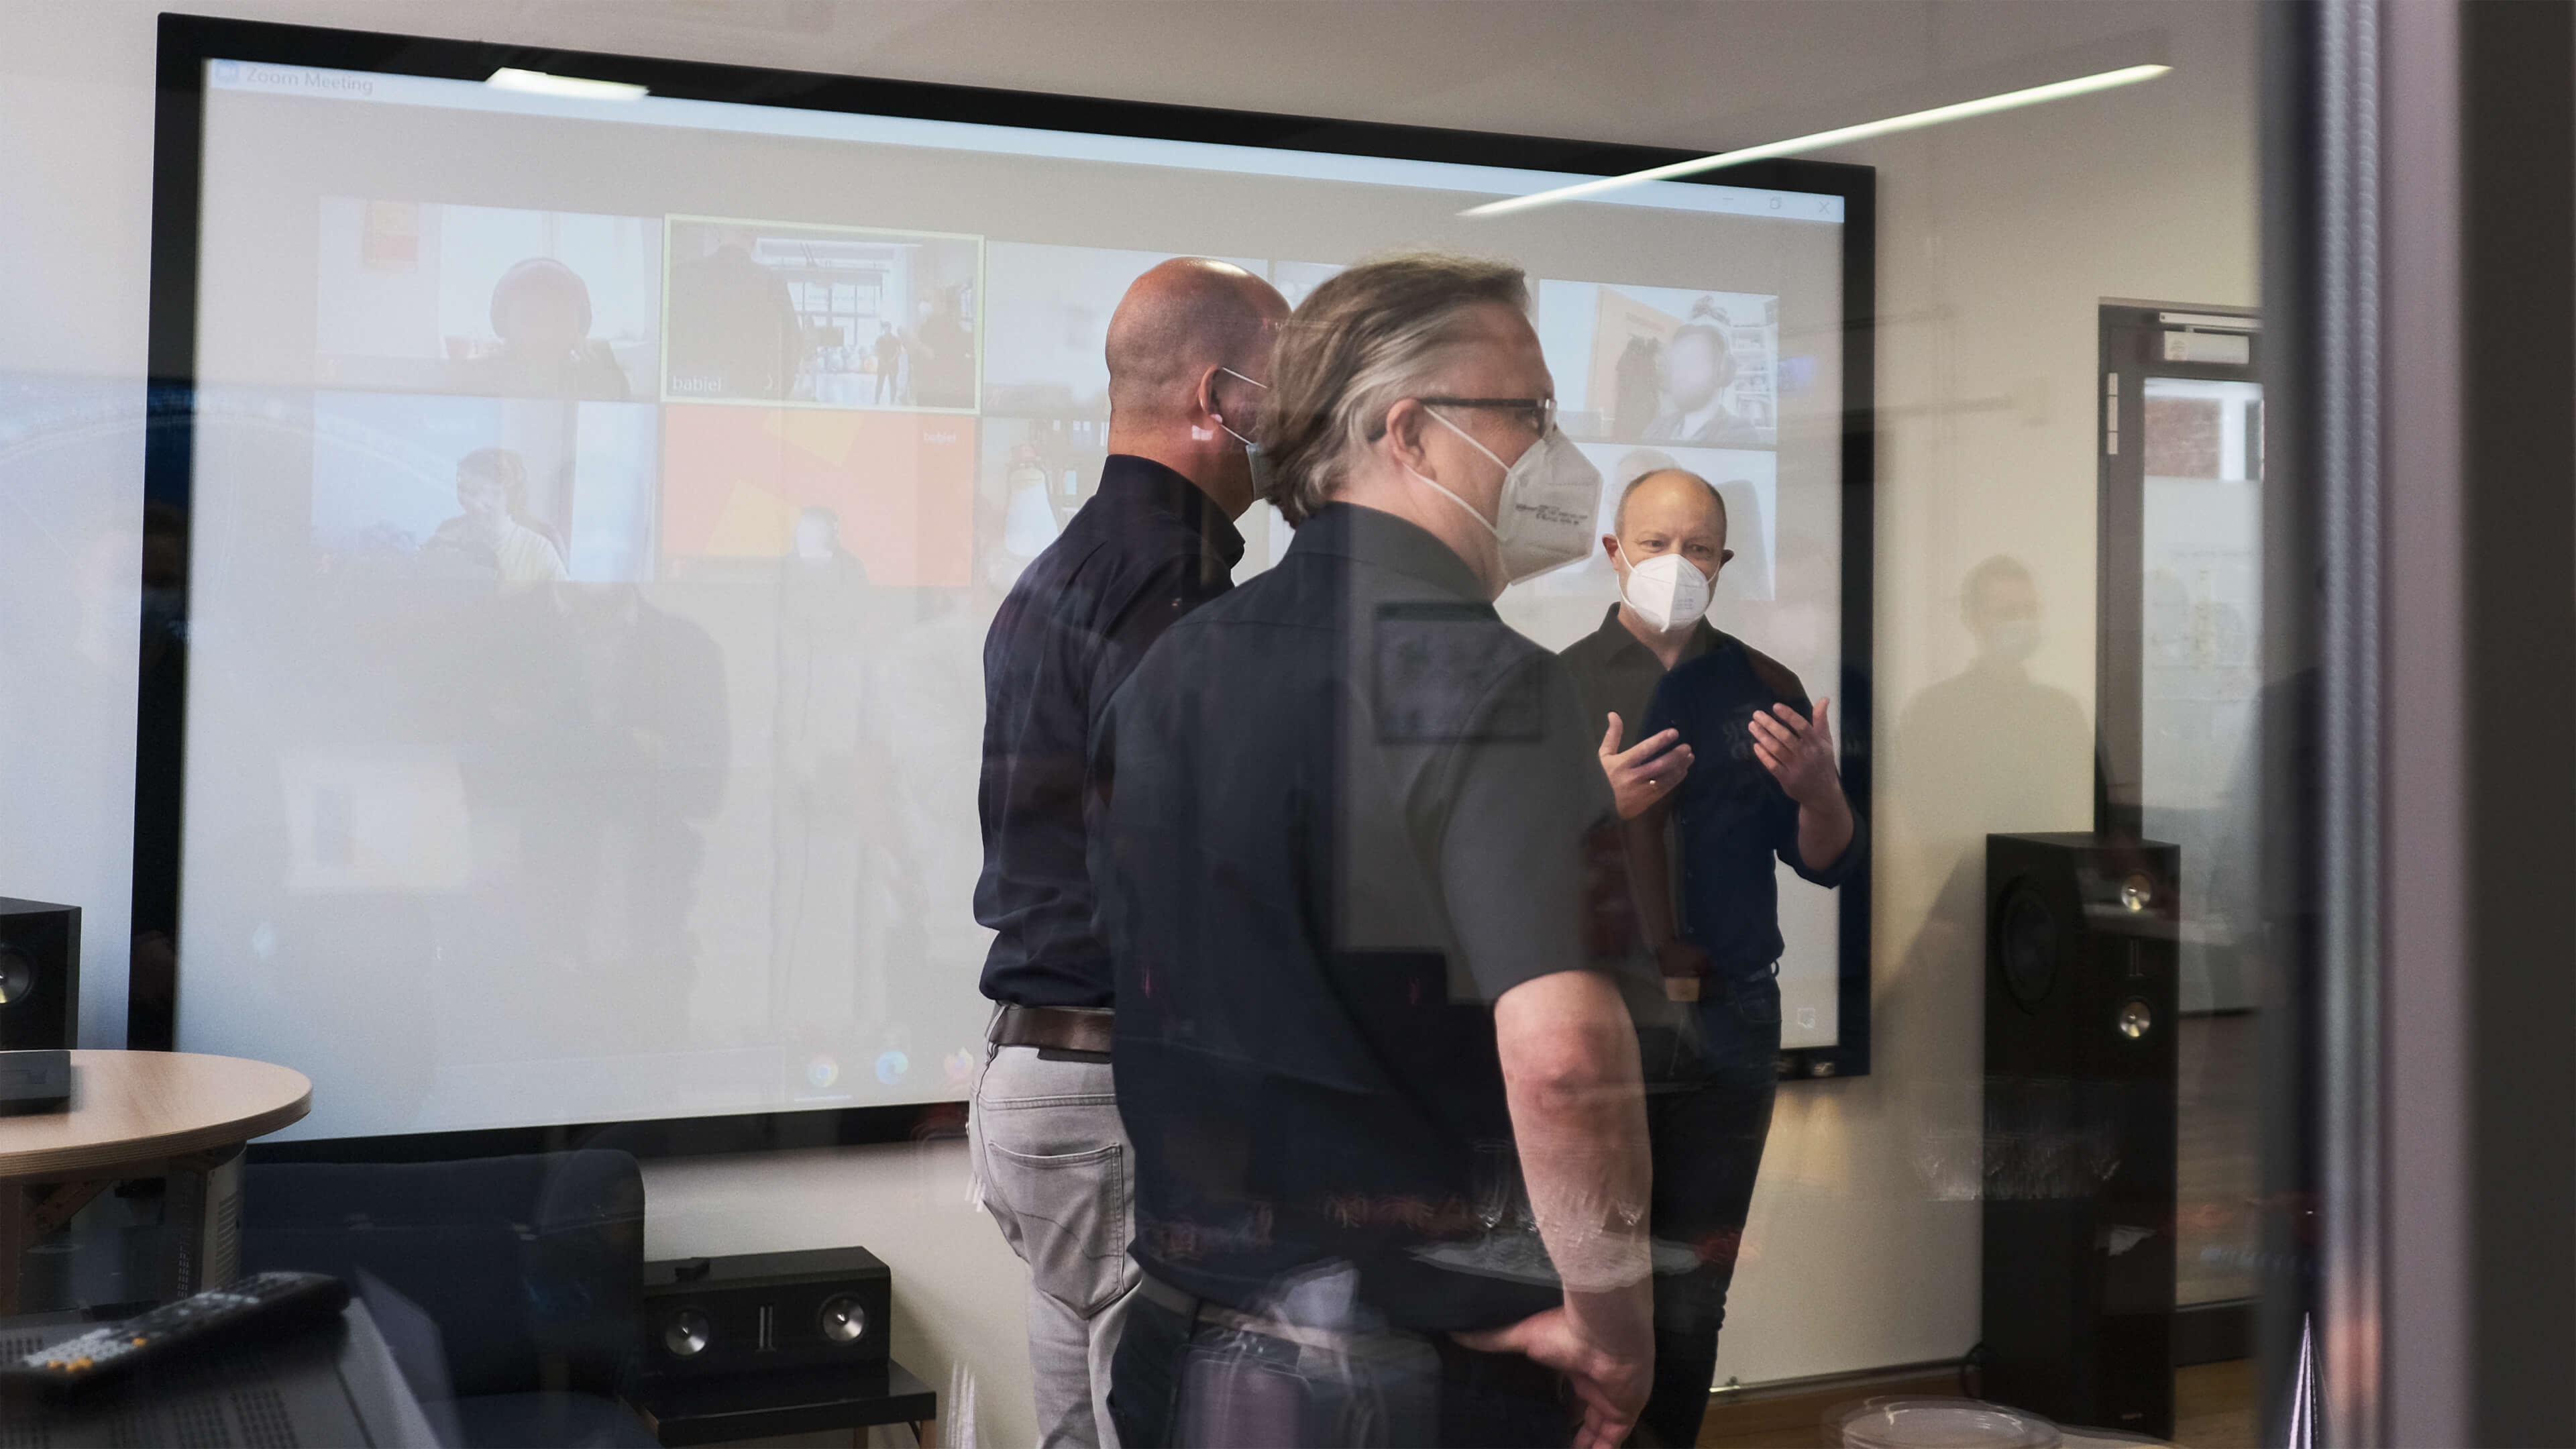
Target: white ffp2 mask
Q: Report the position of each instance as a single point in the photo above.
(2013, 639)
(1549, 497)
(1668, 591)
(1254, 458)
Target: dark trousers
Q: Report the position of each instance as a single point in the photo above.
(1175, 1385)
(1707, 1144)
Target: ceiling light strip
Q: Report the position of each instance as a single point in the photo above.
(1866, 130)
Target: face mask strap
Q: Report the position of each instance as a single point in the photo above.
(1249, 446)
(1463, 505)
(1471, 442)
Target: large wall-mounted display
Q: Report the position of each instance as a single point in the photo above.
(588, 507)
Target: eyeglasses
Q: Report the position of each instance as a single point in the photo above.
(1538, 412)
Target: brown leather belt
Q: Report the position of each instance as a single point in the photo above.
(1059, 1028)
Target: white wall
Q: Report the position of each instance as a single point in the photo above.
(1998, 238)
(957, 1290)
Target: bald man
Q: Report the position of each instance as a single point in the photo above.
(1666, 511)
(1733, 765)
(1189, 357)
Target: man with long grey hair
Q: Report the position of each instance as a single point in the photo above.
(1361, 880)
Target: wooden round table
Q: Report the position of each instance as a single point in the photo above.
(179, 1115)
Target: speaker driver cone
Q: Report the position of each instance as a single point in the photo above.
(17, 978)
(845, 1319)
(2026, 943)
(2136, 1018)
(687, 1334)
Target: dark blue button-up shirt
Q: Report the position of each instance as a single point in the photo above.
(1730, 814)
(1148, 548)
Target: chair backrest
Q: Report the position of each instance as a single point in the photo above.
(532, 1267)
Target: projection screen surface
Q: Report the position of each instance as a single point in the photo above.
(598, 507)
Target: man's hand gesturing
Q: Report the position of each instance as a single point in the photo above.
(1799, 752)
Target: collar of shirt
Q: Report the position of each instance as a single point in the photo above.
(1367, 535)
(1620, 641)
(1131, 485)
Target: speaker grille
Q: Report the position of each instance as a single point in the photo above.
(264, 1420)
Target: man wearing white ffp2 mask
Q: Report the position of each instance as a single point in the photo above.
(1356, 740)
(1668, 544)
(1155, 542)
(1744, 775)
(1488, 460)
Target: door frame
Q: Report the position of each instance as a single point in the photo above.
(2132, 350)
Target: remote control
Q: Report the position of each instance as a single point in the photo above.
(217, 1313)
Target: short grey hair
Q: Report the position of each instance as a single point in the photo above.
(1363, 341)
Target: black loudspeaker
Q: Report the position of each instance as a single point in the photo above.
(39, 975)
(756, 1311)
(2081, 994)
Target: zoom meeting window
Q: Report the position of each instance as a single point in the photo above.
(599, 508)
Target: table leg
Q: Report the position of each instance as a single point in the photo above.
(203, 1211)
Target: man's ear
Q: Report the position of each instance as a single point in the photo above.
(1610, 547)
(1404, 424)
(1203, 407)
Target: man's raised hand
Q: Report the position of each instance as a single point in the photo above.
(1644, 773)
(1799, 752)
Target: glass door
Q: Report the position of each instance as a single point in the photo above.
(2179, 758)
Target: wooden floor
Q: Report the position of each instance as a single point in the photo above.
(2215, 1405)
(2218, 1164)
(2217, 1182)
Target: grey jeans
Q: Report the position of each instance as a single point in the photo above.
(1058, 1175)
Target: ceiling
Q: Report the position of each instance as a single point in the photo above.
(1692, 73)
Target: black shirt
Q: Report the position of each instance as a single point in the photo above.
(1615, 673)
(1345, 809)
(1730, 815)
(1146, 549)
